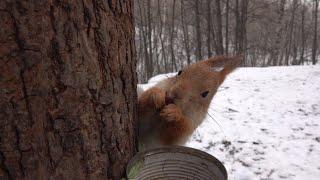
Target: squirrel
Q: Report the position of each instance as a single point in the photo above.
(170, 111)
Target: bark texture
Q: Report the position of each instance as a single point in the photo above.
(67, 89)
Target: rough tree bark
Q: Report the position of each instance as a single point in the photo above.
(67, 89)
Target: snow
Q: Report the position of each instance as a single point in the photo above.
(264, 123)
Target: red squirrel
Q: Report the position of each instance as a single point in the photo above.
(170, 111)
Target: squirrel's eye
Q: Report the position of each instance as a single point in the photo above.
(204, 94)
(179, 72)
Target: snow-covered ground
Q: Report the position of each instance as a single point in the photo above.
(264, 123)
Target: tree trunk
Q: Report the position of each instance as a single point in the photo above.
(185, 33)
(173, 58)
(145, 44)
(151, 64)
(67, 89)
(209, 28)
(314, 46)
(276, 45)
(303, 36)
(227, 28)
(291, 27)
(164, 57)
(236, 29)
(219, 28)
(243, 30)
(198, 31)
(155, 52)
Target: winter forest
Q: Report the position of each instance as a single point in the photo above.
(72, 74)
(173, 33)
(263, 123)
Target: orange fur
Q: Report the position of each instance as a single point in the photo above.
(175, 125)
(152, 99)
(171, 123)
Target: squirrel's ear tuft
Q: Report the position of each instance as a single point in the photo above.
(224, 64)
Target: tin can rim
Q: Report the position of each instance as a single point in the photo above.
(177, 149)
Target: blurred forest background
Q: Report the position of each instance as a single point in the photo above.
(173, 33)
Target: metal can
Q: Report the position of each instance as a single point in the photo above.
(175, 162)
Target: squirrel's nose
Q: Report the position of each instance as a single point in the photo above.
(169, 99)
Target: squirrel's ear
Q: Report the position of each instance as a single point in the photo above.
(223, 64)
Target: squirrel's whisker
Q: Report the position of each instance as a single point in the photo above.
(218, 125)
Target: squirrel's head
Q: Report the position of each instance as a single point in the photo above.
(193, 88)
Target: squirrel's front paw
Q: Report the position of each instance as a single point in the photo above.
(159, 98)
(171, 112)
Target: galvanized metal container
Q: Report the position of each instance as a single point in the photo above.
(175, 162)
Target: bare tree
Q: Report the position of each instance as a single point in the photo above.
(173, 59)
(315, 32)
(227, 28)
(164, 56)
(209, 28)
(198, 30)
(185, 32)
(150, 68)
(274, 57)
(219, 28)
(237, 27)
(143, 32)
(291, 28)
(303, 35)
(267, 32)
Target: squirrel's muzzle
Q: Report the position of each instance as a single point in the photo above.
(169, 99)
